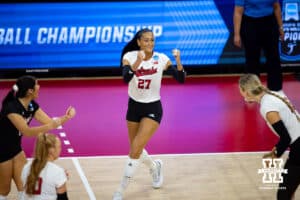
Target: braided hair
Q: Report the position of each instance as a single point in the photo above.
(286, 101)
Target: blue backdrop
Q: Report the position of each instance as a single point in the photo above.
(92, 34)
(38, 35)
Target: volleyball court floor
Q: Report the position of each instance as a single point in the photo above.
(210, 140)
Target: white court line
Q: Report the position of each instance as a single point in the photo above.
(70, 150)
(67, 142)
(62, 134)
(84, 179)
(178, 155)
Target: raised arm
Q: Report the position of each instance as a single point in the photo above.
(129, 70)
(47, 123)
(178, 71)
(20, 123)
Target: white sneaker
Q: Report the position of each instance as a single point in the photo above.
(157, 175)
(117, 196)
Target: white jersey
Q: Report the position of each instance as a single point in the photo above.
(145, 85)
(271, 103)
(51, 177)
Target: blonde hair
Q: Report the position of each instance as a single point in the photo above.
(42, 147)
(252, 84)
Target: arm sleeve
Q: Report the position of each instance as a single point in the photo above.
(178, 75)
(127, 73)
(284, 140)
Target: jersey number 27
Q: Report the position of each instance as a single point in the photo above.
(144, 83)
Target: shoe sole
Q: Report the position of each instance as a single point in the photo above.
(161, 175)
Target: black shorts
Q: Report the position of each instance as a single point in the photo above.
(9, 153)
(136, 111)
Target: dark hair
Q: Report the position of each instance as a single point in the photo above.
(132, 44)
(24, 83)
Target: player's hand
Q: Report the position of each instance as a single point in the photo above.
(271, 154)
(268, 155)
(237, 41)
(281, 34)
(67, 174)
(71, 112)
(141, 55)
(176, 53)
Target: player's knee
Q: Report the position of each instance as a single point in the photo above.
(5, 192)
(5, 188)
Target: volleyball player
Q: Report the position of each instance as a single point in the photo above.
(143, 70)
(42, 178)
(284, 120)
(18, 109)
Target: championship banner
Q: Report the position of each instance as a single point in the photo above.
(92, 34)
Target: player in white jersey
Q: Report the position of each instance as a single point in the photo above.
(284, 121)
(42, 178)
(19, 107)
(143, 69)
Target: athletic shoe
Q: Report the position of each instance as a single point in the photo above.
(117, 196)
(157, 175)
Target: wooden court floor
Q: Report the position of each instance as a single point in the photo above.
(204, 176)
(223, 176)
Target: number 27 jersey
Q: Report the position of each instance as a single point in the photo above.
(145, 85)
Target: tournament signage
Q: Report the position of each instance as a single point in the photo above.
(92, 34)
(290, 46)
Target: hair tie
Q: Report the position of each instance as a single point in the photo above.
(15, 88)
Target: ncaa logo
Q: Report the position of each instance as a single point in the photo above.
(272, 170)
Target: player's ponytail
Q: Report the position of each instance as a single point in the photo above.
(19, 89)
(42, 148)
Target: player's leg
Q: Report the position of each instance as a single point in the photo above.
(6, 173)
(291, 180)
(271, 49)
(147, 160)
(18, 163)
(290, 183)
(132, 130)
(251, 41)
(154, 111)
(147, 128)
(155, 167)
(131, 164)
(133, 120)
